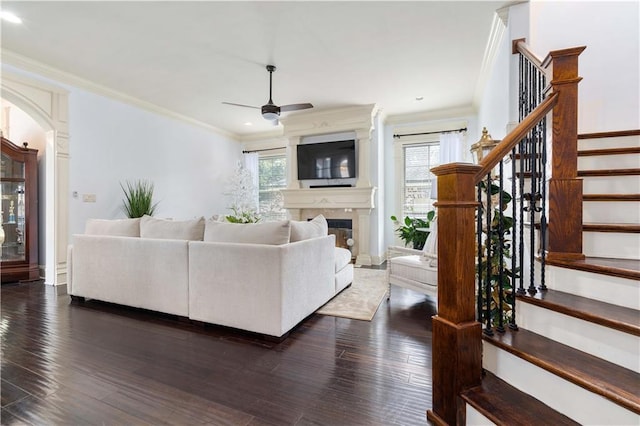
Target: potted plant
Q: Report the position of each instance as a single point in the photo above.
(138, 199)
(414, 230)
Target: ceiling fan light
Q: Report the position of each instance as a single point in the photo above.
(268, 115)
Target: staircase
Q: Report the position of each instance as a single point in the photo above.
(575, 358)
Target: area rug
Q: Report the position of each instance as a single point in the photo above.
(361, 300)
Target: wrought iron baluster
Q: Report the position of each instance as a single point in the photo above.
(522, 160)
(543, 217)
(479, 253)
(514, 257)
(488, 330)
(501, 243)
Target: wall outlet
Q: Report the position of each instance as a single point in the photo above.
(89, 198)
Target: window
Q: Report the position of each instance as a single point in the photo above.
(418, 159)
(272, 177)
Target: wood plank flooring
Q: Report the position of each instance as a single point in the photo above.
(98, 363)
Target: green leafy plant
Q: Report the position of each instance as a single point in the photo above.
(414, 230)
(138, 199)
(496, 239)
(244, 216)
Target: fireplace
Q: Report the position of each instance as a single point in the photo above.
(343, 230)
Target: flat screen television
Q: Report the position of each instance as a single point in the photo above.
(327, 160)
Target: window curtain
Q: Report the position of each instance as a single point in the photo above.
(251, 163)
(452, 147)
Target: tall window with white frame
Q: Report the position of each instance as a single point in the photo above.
(419, 158)
(272, 177)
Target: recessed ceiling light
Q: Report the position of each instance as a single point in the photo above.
(248, 123)
(10, 17)
(419, 98)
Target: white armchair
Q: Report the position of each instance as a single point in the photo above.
(415, 269)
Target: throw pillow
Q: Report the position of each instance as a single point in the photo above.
(303, 230)
(192, 230)
(117, 228)
(430, 249)
(273, 233)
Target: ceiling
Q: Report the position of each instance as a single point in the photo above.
(189, 57)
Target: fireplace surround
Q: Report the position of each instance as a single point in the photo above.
(333, 199)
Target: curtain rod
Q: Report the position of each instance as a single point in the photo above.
(463, 129)
(260, 150)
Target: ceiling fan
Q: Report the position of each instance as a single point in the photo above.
(271, 111)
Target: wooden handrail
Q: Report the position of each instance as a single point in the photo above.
(515, 136)
(521, 47)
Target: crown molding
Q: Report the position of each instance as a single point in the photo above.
(498, 28)
(31, 65)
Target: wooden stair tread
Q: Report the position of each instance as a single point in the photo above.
(609, 151)
(601, 377)
(623, 268)
(503, 404)
(616, 317)
(609, 172)
(631, 228)
(611, 197)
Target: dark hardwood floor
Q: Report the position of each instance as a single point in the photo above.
(98, 363)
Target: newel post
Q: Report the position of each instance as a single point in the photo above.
(565, 189)
(457, 336)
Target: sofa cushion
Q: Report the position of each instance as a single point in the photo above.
(116, 228)
(304, 230)
(273, 233)
(430, 250)
(192, 230)
(343, 258)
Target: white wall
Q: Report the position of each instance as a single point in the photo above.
(111, 142)
(609, 94)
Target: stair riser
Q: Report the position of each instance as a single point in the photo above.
(610, 212)
(603, 143)
(611, 345)
(475, 418)
(565, 397)
(617, 291)
(611, 244)
(608, 162)
(611, 185)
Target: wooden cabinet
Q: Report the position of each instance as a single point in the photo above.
(19, 194)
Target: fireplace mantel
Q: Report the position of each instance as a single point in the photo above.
(329, 198)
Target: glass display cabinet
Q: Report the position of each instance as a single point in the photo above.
(19, 225)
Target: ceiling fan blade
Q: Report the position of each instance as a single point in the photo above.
(295, 107)
(241, 105)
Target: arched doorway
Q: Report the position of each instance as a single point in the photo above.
(47, 105)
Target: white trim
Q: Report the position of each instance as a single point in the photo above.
(498, 28)
(28, 64)
(48, 106)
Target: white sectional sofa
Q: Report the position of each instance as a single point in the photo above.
(264, 277)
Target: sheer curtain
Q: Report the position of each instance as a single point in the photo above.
(251, 163)
(452, 147)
